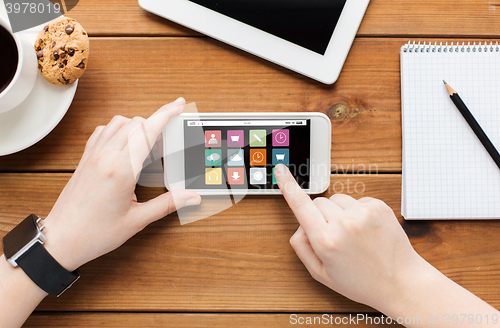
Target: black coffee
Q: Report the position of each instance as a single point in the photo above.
(9, 58)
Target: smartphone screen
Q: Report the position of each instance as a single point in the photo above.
(241, 153)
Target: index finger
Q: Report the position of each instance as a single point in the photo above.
(309, 216)
(143, 136)
(156, 122)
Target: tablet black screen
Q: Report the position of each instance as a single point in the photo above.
(307, 23)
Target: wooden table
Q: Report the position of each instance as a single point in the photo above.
(236, 269)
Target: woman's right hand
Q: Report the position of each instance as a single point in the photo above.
(355, 247)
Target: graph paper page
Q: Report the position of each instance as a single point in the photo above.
(447, 172)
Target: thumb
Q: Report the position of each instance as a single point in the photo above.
(167, 203)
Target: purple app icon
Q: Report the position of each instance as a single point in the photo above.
(281, 138)
(235, 138)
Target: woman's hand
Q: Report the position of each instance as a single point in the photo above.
(358, 249)
(355, 247)
(98, 210)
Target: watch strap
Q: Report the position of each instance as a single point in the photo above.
(45, 271)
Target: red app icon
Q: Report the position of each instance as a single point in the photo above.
(213, 138)
(236, 175)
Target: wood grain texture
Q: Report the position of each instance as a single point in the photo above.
(152, 320)
(242, 262)
(444, 18)
(239, 260)
(364, 104)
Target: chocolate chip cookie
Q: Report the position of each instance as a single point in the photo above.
(62, 49)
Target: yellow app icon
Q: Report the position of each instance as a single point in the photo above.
(213, 176)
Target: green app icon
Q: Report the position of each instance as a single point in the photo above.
(257, 138)
(274, 179)
(213, 157)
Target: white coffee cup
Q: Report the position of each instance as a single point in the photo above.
(27, 69)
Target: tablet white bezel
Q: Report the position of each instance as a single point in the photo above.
(173, 149)
(324, 68)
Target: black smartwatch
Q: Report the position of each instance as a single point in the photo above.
(23, 246)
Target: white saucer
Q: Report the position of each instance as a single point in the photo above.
(38, 115)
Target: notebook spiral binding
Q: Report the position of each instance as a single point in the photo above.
(418, 47)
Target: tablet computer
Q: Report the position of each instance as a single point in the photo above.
(311, 37)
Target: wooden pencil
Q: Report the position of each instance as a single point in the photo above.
(473, 124)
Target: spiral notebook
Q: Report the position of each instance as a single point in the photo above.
(447, 173)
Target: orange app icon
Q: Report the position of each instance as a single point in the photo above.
(258, 157)
(236, 175)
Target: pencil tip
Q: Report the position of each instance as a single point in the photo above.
(449, 88)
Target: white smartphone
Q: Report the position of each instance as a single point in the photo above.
(235, 153)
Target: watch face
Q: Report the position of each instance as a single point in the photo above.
(21, 235)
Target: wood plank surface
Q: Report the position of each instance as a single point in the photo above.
(145, 73)
(242, 262)
(463, 18)
(176, 320)
(135, 76)
(233, 261)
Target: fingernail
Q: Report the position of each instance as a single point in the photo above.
(280, 169)
(193, 201)
(179, 101)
